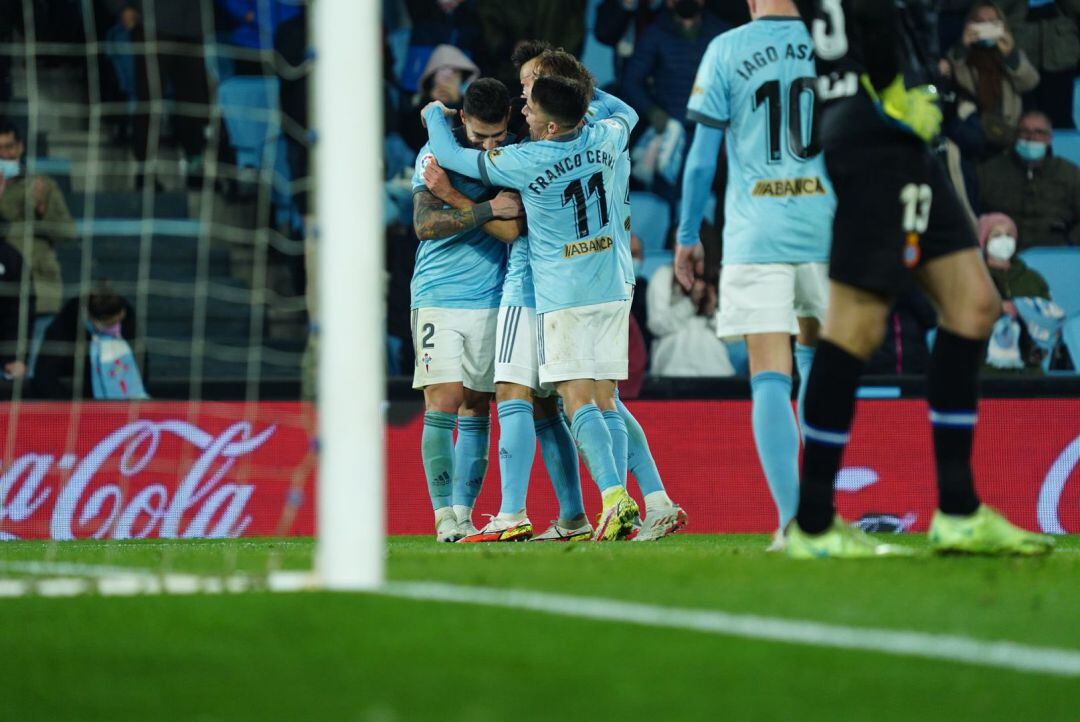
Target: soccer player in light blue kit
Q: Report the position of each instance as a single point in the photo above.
(758, 83)
(529, 412)
(632, 453)
(456, 286)
(581, 296)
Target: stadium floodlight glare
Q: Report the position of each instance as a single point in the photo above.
(350, 511)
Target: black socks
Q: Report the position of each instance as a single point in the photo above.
(953, 395)
(829, 409)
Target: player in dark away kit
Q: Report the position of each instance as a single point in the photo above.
(897, 214)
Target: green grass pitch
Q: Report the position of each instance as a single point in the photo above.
(323, 656)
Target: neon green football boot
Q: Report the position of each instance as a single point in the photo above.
(617, 519)
(984, 532)
(839, 541)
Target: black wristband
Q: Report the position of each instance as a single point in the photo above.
(482, 213)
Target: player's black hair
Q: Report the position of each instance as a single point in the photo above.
(527, 50)
(104, 303)
(6, 126)
(563, 99)
(565, 65)
(487, 100)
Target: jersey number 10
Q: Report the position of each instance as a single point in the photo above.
(802, 142)
(575, 193)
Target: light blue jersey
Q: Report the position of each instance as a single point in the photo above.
(758, 82)
(564, 186)
(461, 271)
(605, 106)
(518, 287)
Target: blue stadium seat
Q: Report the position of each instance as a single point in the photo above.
(650, 220)
(653, 260)
(1071, 336)
(250, 108)
(1061, 269)
(1076, 102)
(1067, 145)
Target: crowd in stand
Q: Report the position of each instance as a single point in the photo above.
(1008, 70)
(202, 58)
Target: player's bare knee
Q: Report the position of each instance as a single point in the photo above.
(861, 337)
(446, 398)
(576, 394)
(605, 395)
(475, 403)
(505, 391)
(975, 316)
(987, 310)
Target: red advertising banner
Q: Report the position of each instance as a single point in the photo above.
(155, 469)
(1026, 458)
(184, 470)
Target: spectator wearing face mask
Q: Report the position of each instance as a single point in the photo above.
(987, 67)
(36, 202)
(1012, 277)
(110, 369)
(1038, 190)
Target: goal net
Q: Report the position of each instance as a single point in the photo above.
(184, 271)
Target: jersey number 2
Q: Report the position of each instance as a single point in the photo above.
(576, 193)
(802, 145)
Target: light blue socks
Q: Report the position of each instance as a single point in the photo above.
(470, 458)
(639, 459)
(804, 359)
(777, 437)
(561, 460)
(619, 441)
(437, 452)
(594, 440)
(517, 448)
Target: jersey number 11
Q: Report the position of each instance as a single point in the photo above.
(575, 193)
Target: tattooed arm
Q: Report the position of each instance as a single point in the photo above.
(503, 229)
(433, 221)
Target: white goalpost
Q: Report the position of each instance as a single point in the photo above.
(348, 196)
(346, 231)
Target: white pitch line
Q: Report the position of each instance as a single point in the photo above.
(72, 568)
(114, 581)
(954, 648)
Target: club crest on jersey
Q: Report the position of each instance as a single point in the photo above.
(793, 187)
(912, 250)
(426, 160)
(583, 248)
(493, 154)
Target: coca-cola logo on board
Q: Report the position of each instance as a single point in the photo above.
(1053, 489)
(200, 501)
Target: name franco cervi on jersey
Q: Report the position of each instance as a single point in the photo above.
(557, 170)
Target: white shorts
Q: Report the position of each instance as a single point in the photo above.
(768, 297)
(516, 361)
(585, 342)
(454, 345)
